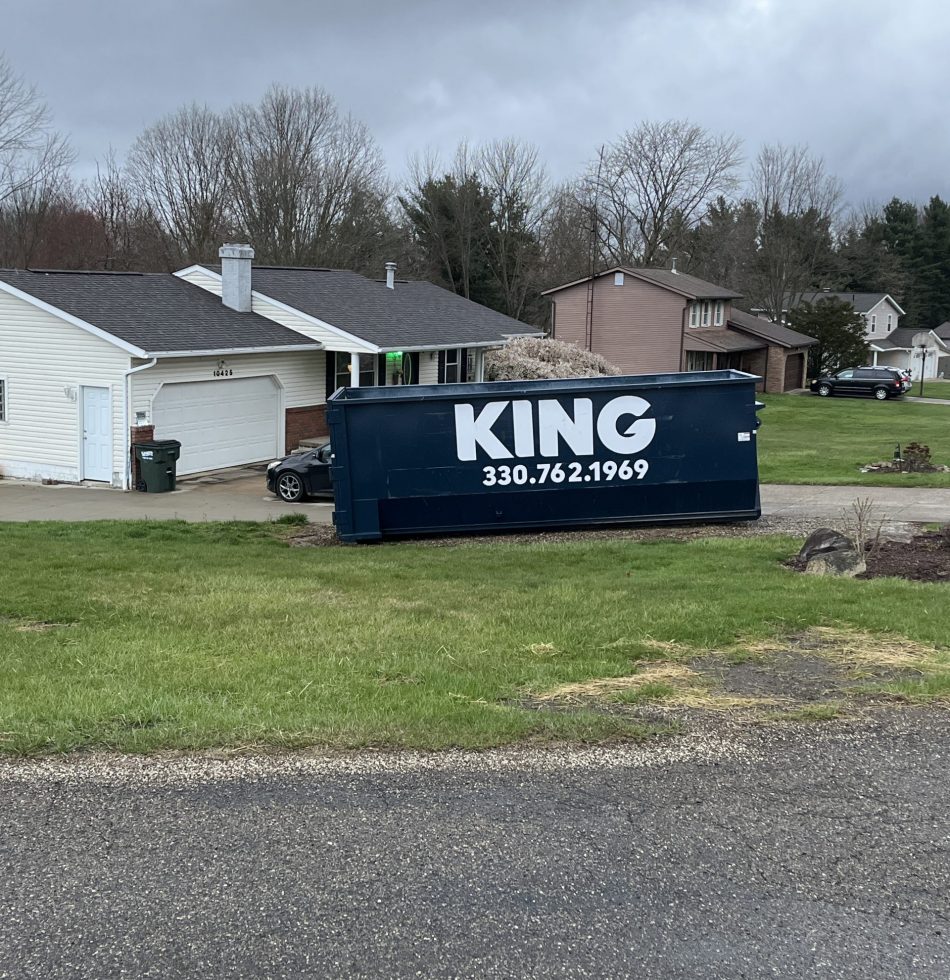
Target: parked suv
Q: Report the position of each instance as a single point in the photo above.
(880, 383)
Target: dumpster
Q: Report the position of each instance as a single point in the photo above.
(456, 458)
(157, 465)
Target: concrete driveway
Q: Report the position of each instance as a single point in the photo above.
(230, 495)
(240, 495)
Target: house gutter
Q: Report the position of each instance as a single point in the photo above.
(127, 413)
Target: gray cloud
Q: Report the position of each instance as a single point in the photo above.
(859, 82)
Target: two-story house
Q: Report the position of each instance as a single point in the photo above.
(651, 321)
(891, 344)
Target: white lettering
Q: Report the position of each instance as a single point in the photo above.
(471, 432)
(554, 422)
(637, 437)
(524, 429)
(554, 426)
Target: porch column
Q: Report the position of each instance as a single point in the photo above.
(354, 370)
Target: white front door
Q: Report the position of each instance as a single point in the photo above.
(97, 434)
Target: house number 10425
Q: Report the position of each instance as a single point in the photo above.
(223, 372)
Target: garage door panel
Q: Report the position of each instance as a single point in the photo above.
(219, 423)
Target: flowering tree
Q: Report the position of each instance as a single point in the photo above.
(534, 358)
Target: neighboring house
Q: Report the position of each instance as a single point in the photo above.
(650, 321)
(943, 361)
(892, 345)
(92, 362)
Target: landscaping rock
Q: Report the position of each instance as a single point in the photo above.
(828, 552)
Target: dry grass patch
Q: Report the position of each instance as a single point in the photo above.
(671, 684)
(856, 649)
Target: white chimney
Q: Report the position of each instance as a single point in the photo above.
(236, 263)
(390, 275)
(673, 269)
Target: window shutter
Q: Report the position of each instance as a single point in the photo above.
(441, 375)
(463, 364)
(381, 369)
(331, 372)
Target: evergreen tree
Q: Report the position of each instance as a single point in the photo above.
(838, 330)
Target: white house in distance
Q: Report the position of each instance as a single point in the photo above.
(892, 345)
(233, 361)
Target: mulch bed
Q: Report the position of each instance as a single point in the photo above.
(925, 558)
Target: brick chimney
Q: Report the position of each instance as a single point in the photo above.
(236, 263)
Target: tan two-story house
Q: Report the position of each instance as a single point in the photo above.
(653, 321)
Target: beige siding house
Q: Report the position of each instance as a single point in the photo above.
(651, 321)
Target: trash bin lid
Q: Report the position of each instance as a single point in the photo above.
(160, 444)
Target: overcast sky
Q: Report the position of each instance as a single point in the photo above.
(863, 82)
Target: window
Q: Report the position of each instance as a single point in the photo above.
(890, 326)
(367, 370)
(873, 322)
(618, 278)
(3, 399)
(699, 360)
(706, 312)
(720, 309)
(451, 366)
(470, 365)
(694, 314)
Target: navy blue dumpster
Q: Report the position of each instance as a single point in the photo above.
(433, 459)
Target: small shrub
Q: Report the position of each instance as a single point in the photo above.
(294, 520)
(917, 457)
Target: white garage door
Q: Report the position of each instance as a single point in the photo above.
(219, 423)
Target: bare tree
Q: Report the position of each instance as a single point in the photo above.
(566, 236)
(797, 203)
(30, 152)
(130, 236)
(300, 174)
(652, 186)
(178, 169)
(518, 187)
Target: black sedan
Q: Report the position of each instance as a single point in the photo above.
(879, 383)
(301, 475)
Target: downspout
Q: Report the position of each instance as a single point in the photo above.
(127, 405)
(682, 366)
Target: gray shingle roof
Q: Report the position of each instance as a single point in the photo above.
(943, 331)
(718, 338)
(414, 314)
(154, 312)
(774, 333)
(861, 302)
(692, 286)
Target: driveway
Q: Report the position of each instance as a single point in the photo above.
(230, 495)
(820, 853)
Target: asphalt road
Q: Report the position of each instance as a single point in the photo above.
(816, 854)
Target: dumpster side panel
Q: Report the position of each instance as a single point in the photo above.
(544, 454)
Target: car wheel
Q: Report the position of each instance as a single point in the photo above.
(824, 390)
(289, 487)
(880, 394)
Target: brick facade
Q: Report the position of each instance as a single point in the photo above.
(305, 423)
(139, 434)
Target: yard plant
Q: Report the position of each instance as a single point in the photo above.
(149, 636)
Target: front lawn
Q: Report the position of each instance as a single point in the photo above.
(807, 439)
(146, 636)
(934, 388)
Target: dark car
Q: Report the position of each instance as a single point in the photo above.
(301, 475)
(879, 383)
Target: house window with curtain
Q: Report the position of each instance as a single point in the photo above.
(452, 364)
(706, 312)
(699, 360)
(367, 370)
(720, 313)
(694, 314)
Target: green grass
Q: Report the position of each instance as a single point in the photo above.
(806, 439)
(148, 636)
(932, 389)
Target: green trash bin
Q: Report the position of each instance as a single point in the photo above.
(157, 465)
